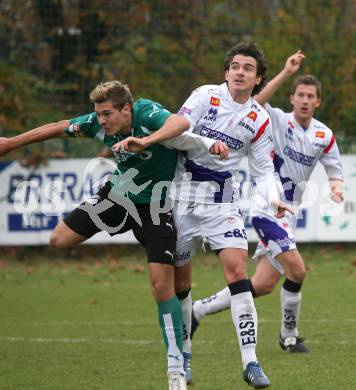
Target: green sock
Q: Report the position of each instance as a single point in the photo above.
(171, 322)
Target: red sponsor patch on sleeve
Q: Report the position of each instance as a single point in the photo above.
(214, 101)
(75, 129)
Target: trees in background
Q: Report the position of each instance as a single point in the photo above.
(54, 52)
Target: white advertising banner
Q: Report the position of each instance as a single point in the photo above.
(337, 222)
(34, 200)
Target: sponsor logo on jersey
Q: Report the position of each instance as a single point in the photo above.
(255, 107)
(320, 134)
(246, 126)
(231, 142)
(214, 101)
(184, 110)
(155, 110)
(123, 155)
(289, 133)
(320, 145)
(252, 115)
(75, 129)
(211, 115)
(290, 124)
(298, 157)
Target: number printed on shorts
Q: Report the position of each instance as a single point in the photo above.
(237, 233)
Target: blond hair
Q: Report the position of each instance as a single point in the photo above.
(115, 91)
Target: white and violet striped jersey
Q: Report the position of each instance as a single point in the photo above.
(245, 128)
(297, 150)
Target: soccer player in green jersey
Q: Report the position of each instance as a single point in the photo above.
(134, 198)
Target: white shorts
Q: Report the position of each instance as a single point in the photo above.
(276, 236)
(262, 250)
(221, 225)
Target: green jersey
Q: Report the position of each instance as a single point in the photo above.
(154, 164)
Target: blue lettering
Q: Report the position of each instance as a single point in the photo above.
(15, 180)
(70, 180)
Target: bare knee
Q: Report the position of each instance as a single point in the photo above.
(63, 237)
(264, 288)
(183, 278)
(56, 241)
(182, 285)
(238, 273)
(234, 262)
(161, 291)
(297, 274)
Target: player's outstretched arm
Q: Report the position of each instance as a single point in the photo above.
(39, 134)
(291, 66)
(173, 127)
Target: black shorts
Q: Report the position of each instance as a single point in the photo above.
(101, 214)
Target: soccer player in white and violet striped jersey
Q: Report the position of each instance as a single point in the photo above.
(300, 141)
(207, 189)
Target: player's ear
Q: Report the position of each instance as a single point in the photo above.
(126, 108)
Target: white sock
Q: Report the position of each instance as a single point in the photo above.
(290, 306)
(186, 307)
(213, 304)
(244, 316)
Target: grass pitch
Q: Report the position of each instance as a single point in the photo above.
(85, 319)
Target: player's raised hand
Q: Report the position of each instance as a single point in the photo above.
(281, 208)
(292, 64)
(130, 144)
(220, 148)
(5, 146)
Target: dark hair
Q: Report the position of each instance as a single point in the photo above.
(307, 79)
(115, 91)
(248, 47)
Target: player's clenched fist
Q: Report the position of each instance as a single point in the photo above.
(220, 148)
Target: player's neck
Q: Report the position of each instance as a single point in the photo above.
(240, 96)
(126, 128)
(304, 122)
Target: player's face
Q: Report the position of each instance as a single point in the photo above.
(305, 101)
(112, 120)
(242, 75)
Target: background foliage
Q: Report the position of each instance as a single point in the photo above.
(54, 52)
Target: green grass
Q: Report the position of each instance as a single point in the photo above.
(85, 319)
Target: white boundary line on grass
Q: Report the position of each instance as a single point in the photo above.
(137, 323)
(135, 342)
